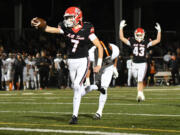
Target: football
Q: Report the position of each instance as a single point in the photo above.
(42, 22)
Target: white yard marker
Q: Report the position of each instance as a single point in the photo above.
(64, 131)
(27, 93)
(70, 103)
(67, 113)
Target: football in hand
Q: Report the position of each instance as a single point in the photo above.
(38, 23)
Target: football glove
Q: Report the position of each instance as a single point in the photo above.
(122, 24)
(115, 73)
(158, 27)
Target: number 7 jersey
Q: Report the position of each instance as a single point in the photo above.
(77, 41)
(139, 49)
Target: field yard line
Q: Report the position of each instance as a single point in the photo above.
(51, 98)
(64, 131)
(82, 113)
(93, 127)
(62, 103)
(26, 93)
(170, 89)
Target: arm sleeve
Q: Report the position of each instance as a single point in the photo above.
(91, 53)
(115, 51)
(92, 36)
(149, 44)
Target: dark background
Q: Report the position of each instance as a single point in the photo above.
(101, 13)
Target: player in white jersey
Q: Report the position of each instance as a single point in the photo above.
(36, 72)
(30, 72)
(57, 62)
(3, 70)
(9, 71)
(103, 78)
(131, 71)
(25, 74)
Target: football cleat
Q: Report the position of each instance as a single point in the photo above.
(140, 97)
(74, 120)
(97, 116)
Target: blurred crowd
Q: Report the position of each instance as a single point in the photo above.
(37, 60)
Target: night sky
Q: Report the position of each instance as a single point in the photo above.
(100, 14)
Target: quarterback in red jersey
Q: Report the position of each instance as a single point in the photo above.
(77, 35)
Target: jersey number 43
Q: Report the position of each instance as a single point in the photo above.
(138, 51)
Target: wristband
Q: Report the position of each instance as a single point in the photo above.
(88, 80)
(99, 62)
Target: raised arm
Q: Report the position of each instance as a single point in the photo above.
(50, 29)
(121, 33)
(158, 39)
(40, 23)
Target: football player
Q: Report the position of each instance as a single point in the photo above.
(25, 73)
(9, 62)
(139, 47)
(36, 72)
(103, 78)
(131, 71)
(77, 35)
(30, 71)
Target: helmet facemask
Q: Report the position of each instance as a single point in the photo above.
(139, 34)
(69, 21)
(72, 17)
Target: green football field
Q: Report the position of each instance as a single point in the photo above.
(47, 112)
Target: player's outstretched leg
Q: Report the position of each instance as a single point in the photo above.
(102, 101)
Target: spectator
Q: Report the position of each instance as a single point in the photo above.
(18, 72)
(152, 72)
(167, 58)
(43, 64)
(121, 67)
(174, 69)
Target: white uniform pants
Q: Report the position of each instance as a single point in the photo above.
(77, 69)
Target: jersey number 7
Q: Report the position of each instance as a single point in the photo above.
(75, 44)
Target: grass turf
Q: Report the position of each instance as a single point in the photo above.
(52, 109)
